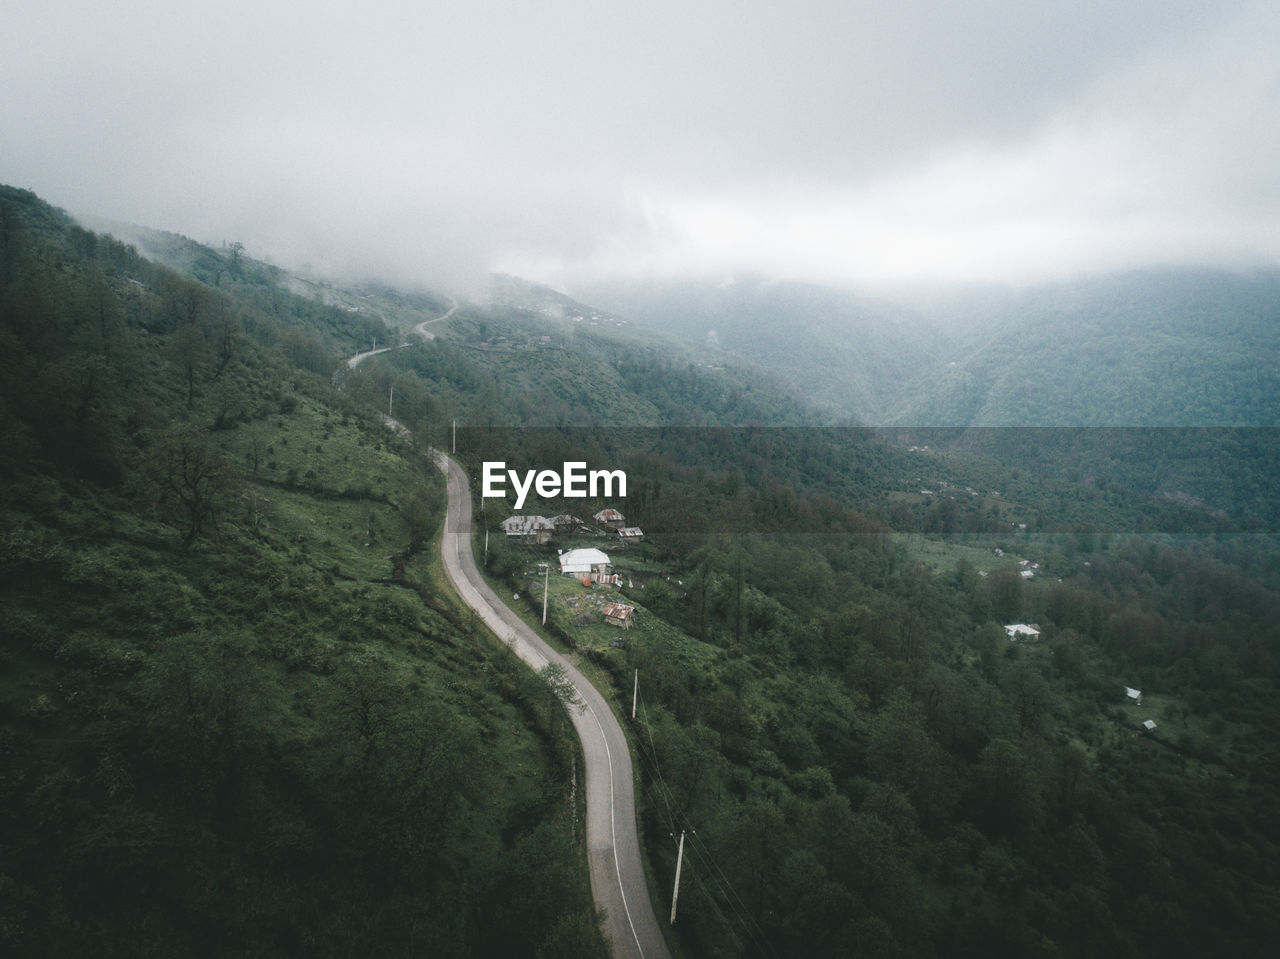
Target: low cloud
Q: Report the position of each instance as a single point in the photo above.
(825, 140)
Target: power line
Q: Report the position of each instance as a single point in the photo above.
(742, 914)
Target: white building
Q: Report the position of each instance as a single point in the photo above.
(1021, 631)
(584, 562)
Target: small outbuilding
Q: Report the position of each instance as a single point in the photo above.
(619, 614)
(631, 534)
(1133, 695)
(1020, 631)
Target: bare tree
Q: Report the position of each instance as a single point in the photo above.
(193, 475)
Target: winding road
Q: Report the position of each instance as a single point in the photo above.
(421, 328)
(613, 848)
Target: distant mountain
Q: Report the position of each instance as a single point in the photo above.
(1152, 348)
(1158, 348)
(847, 354)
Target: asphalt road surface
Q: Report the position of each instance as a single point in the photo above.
(617, 876)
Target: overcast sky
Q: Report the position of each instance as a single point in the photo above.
(561, 140)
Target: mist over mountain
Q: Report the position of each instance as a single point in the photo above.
(1147, 348)
(847, 354)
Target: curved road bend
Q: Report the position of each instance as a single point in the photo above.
(617, 875)
(420, 329)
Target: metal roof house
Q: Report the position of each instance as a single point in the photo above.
(611, 518)
(528, 529)
(631, 534)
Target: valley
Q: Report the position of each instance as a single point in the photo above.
(242, 704)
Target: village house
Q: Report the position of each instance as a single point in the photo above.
(564, 523)
(528, 529)
(1133, 695)
(610, 518)
(584, 562)
(631, 534)
(619, 614)
(1021, 631)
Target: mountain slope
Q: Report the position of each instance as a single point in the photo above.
(237, 715)
(848, 355)
(1156, 348)
(1173, 348)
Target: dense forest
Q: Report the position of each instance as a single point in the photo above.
(240, 714)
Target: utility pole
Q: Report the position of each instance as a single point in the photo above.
(455, 437)
(676, 892)
(635, 693)
(546, 574)
(391, 403)
(486, 548)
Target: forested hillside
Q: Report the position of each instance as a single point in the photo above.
(865, 763)
(237, 715)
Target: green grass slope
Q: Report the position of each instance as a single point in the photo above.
(238, 713)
